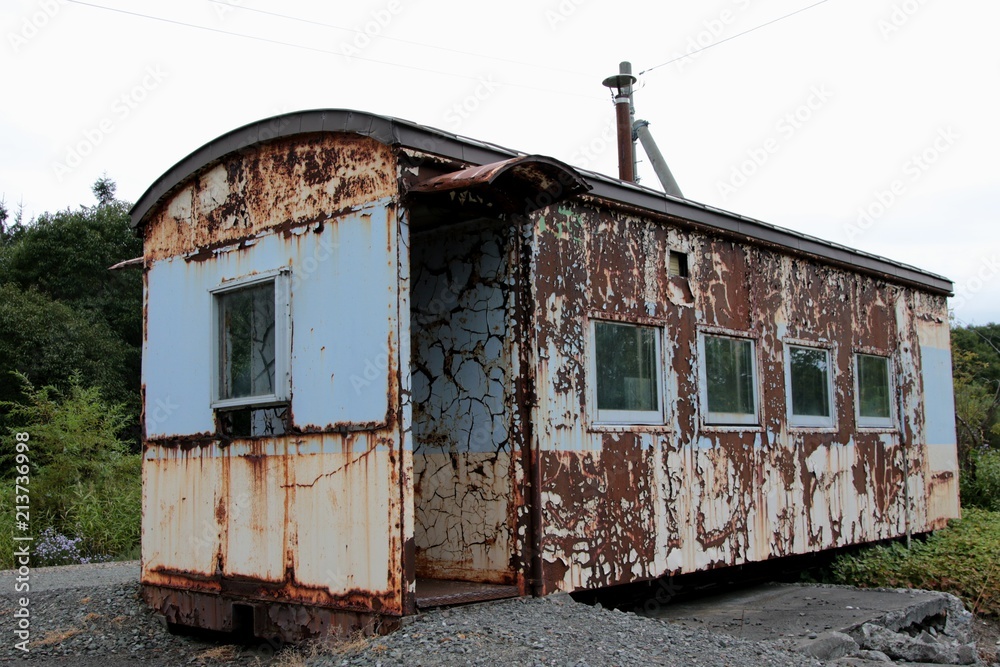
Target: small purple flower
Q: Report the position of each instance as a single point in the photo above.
(54, 548)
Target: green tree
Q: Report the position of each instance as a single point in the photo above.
(48, 341)
(976, 372)
(63, 311)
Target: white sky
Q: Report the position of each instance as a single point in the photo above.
(889, 106)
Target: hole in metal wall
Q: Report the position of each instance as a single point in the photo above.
(253, 422)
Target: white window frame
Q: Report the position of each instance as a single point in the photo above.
(625, 417)
(810, 421)
(282, 339)
(727, 418)
(874, 422)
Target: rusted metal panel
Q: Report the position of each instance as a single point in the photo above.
(941, 462)
(622, 503)
(520, 185)
(280, 519)
(283, 184)
(276, 621)
(441, 419)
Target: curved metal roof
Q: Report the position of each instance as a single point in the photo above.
(397, 132)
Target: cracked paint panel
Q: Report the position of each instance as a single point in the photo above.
(462, 390)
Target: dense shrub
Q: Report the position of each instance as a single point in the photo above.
(85, 485)
(981, 481)
(963, 559)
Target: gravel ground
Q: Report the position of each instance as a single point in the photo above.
(553, 631)
(92, 616)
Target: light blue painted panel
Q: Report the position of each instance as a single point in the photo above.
(343, 307)
(176, 362)
(939, 395)
(343, 313)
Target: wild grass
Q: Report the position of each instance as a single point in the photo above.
(963, 559)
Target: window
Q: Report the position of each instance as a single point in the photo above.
(251, 344)
(729, 380)
(678, 264)
(809, 386)
(626, 372)
(873, 390)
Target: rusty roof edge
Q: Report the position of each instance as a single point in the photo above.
(396, 131)
(572, 181)
(609, 188)
(386, 129)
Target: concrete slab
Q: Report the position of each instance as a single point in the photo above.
(776, 611)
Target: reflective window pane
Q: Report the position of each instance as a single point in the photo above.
(729, 375)
(873, 387)
(246, 345)
(810, 374)
(626, 367)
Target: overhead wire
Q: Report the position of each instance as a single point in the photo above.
(397, 39)
(314, 49)
(732, 37)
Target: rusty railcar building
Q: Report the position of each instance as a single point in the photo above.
(388, 367)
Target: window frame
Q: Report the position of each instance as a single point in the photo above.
(875, 422)
(811, 421)
(282, 340)
(601, 417)
(724, 419)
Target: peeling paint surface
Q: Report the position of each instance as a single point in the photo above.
(623, 503)
(266, 186)
(236, 519)
(462, 294)
(440, 417)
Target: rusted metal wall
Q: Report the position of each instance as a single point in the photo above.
(321, 515)
(463, 292)
(622, 503)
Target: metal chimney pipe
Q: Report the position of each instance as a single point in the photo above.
(656, 159)
(622, 83)
(626, 151)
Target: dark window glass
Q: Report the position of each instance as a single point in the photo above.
(246, 345)
(810, 375)
(626, 367)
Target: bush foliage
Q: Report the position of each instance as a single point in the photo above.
(85, 485)
(963, 560)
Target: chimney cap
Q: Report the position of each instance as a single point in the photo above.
(619, 81)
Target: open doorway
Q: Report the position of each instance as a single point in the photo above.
(465, 454)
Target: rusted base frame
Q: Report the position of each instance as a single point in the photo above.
(281, 621)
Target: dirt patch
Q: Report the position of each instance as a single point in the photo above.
(986, 631)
